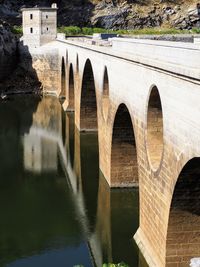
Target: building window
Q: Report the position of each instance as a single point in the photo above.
(31, 16)
(31, 30)
(46, 16)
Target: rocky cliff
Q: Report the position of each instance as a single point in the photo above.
(114, 14)
(8, 51)
(13, 78)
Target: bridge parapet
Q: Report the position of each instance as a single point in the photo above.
(177, 57)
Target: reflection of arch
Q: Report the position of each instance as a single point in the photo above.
(154, 128)
(71, 88)
(116, 208)
(183, 235)
(124, 168)
(63, 126)
(63, 79)
(86, 151)
(105, 96)
(70, 137)
(88, 111)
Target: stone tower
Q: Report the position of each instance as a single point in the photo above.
(39, 25)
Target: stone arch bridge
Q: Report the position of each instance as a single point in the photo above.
(143, 98)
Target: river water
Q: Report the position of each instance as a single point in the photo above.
(56, 207)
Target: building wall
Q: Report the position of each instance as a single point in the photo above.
(31, 39)
(48, 26)
(41, 28)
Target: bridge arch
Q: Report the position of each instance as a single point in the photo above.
(105, 94)
(155, 142)
(71, 88)
(77, 63)
(124, 167)
(183, 233)
(63, 78)
(88, 105)
(67, 57)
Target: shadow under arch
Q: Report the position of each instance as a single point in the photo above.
(63, 79)
(71, 88)
(124, 166)
(88, 105)
(77, 63)
(183, 234)
(105, 94)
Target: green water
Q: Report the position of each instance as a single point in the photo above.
(56, 207)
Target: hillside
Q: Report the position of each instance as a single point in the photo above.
(8, 50)
(113, 14)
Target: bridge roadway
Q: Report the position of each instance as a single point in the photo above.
(143, 98)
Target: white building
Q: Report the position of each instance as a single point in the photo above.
(39, 25)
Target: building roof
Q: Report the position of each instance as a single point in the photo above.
(39, 8)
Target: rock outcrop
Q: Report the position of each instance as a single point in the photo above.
(8, 51)
(131, 16)
(114, 14)
(13, 78)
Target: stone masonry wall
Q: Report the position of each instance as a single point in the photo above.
(43, 64)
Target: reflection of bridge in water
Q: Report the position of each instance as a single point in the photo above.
(52, 136)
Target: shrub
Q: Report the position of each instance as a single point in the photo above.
(17, 30)
(196, 30)
(115, 265)
(87, 31)
(70, 30)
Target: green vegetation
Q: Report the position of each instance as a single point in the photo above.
(196, 30)
(70, 30)
(115, 265)
(17, 30)
(109, 265)
(77, 31)
(74, 30)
